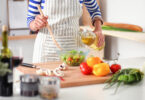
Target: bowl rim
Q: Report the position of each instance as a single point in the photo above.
(85, 51)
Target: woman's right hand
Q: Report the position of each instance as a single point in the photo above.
(38, 23)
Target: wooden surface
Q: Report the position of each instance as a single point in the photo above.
(73, 76)
(135, 36)
(21, 37)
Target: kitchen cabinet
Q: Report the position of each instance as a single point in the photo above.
(17, 14)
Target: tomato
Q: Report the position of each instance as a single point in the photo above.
(85, 69)
(101, 69)
(115, 67)
(91, 61)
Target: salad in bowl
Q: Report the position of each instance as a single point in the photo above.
(73, 57)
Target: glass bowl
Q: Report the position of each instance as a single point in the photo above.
(73, 57)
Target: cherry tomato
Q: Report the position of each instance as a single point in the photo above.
(115, 67)
(69, 59)
(85, 69)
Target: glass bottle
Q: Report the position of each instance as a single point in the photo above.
(6, 81)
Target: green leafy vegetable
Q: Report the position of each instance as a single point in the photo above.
(4, 69)
(73, 57)
(126, 76)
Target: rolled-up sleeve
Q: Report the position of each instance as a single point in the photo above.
(32, 10)
(94, 10)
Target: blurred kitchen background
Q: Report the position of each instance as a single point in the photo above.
(14, 12)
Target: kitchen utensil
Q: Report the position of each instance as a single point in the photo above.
(87, 37)
(29, 65)
(49, 28)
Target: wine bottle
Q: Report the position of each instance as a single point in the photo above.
(6, 81)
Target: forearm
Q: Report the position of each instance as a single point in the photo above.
(97, 25)
(32, 11)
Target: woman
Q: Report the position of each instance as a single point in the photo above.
(63, 17)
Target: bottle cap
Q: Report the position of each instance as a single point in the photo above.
(4, 28)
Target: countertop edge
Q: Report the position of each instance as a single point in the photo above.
(21, 37)
(139, 37)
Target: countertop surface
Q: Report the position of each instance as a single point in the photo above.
(135, 36)
(96, 92)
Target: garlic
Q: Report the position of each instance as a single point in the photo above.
(40, 72)
(63, 66)
(58, 72)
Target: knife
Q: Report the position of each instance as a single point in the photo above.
(29, 65)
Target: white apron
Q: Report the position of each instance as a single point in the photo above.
(63, 18)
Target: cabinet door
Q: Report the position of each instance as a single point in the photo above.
(17, 14)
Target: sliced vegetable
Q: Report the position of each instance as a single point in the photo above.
(73, 57)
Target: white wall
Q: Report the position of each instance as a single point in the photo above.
(124, 11)
(26, 47)
(126, 48)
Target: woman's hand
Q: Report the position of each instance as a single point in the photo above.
(98, 32)
(38, 23)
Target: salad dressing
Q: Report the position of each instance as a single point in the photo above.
(90, 39)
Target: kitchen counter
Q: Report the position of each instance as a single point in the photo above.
(96, 92)
(135, 36)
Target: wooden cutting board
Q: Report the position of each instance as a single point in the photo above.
(73, 76)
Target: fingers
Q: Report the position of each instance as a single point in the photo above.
(101, 39)
(40, 21)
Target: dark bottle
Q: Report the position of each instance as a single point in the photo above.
(6, 81)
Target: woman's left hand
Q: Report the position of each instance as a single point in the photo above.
(98, 32)
(101, 38)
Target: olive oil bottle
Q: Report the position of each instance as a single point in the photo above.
(6, 81)
(91, 40)
(95, 46)
(87, 37)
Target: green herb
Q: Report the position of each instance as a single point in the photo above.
(125, 76)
